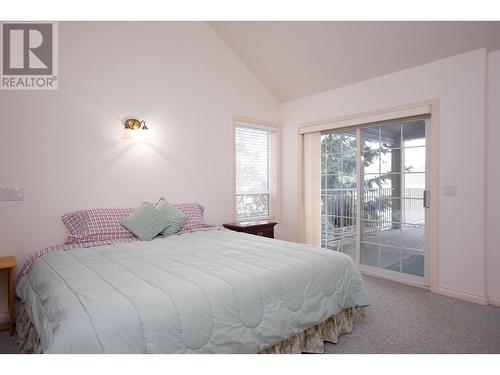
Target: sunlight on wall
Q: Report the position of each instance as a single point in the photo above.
(137, 135)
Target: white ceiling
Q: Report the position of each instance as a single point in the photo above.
(295, 59)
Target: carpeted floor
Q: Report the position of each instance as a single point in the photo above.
(405, 319)
(7, 344)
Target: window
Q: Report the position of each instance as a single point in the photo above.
(256, 183)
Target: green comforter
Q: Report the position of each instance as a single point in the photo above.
(212, 291)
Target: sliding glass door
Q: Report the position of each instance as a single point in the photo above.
(373, 186)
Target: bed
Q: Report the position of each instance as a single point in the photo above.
(205, 291)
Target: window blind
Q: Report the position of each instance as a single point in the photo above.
(255, 149)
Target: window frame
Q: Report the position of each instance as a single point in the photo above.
(274, 194)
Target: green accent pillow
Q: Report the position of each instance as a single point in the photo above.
(177, 218)
(146, 223)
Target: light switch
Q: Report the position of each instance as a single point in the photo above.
(12, 194)
(449, 190)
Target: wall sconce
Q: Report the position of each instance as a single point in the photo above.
(134, 124)
(136, 129)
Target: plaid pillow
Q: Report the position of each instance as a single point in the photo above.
(97, 224)
(194, 211)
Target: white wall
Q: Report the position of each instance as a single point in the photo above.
(459, 83)
(493, 177)
(64, 146)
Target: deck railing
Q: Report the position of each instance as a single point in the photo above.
(379, 209)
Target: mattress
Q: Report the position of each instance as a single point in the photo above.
(213, 291)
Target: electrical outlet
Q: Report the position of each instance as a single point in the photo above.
(12, 194)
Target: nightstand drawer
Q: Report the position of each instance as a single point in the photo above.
(264, 232)
(258, 228)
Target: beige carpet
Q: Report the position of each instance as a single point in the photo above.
(7, 344)
(404, 319)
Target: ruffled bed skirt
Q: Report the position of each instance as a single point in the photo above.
(308, 341)
(28, 341)
(312, 340)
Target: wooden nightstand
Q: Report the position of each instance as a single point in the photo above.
(8, 264)
(259, 228)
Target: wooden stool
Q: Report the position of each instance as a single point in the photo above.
(8, 264)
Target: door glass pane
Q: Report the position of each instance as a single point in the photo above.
(349, 162)
(331, 205)
(413, 262)
(390, 185)
(390, 136)
(413, 211)
(414, 133)
(391, 207)
(414, 185)
(370, 161)
(390, 234)
(349, 181)
(348, 202)
(349, 247)
(342, 204)
(413, 236)
(390, 258)
(415, 159)
(370, 207)
(338, 191)
(390, 161)
(386, 185)
(333, 164)
(369, 231)
(334, 181)
(370, 138)
(369, 254)
(349, 143)
(331, 231)
(349, 229)
(334, 144)
(371, 182)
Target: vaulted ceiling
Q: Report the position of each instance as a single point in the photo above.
(296, 59)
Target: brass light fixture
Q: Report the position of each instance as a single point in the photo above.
(136, 130)
(134, 124)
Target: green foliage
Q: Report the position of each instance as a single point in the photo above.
(338, 169)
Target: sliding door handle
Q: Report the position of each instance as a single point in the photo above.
(427, 198)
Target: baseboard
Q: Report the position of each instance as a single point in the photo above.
(401, 278)
(494, 300)
(466, 296)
